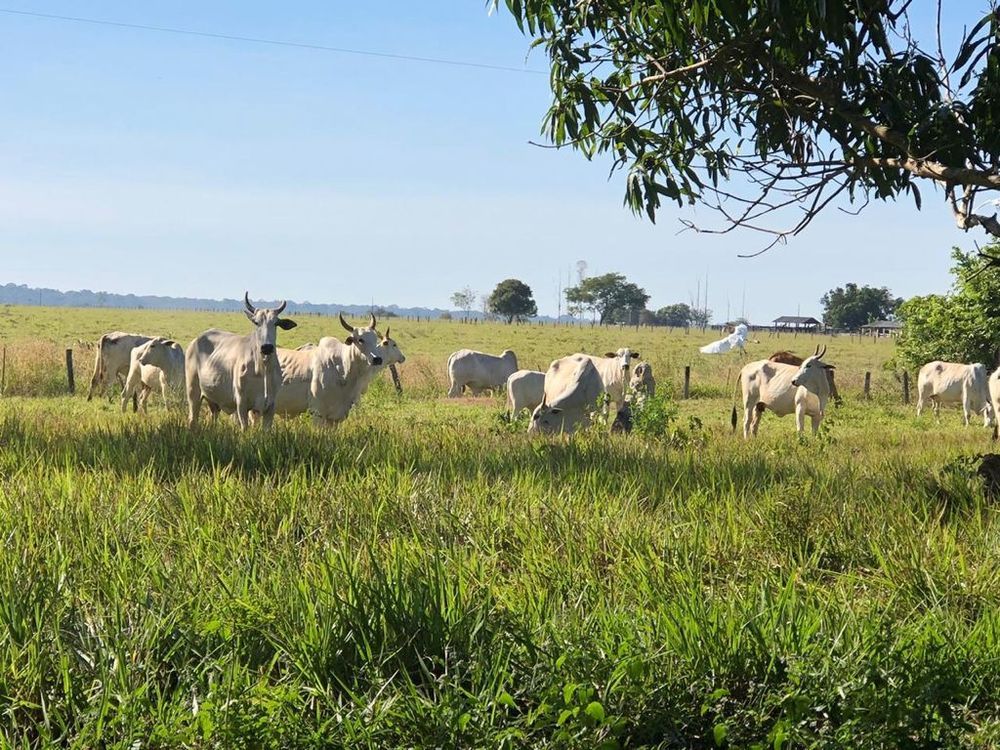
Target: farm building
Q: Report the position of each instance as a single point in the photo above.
(882, 328)
(796, 323)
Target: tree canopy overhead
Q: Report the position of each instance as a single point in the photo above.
(769, 112)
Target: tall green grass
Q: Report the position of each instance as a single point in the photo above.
(429, 576)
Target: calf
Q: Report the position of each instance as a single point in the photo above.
(525, 390)
(113, 358)
(159, 363)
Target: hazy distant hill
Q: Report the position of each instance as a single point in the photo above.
(19, 294)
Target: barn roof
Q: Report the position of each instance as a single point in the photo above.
(797, 319)
(883, 324)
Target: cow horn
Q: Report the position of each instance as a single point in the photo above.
(823, 353)
(387, 331)
(372, 324)
(816, 353)
(281, 308)
(246, 301)
(344, 323)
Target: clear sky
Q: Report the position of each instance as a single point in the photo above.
(154, 163)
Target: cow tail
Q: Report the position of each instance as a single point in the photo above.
(733, 418)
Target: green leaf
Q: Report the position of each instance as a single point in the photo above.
(595, 711)
(719, 733)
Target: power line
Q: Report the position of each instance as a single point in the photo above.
(272, 42)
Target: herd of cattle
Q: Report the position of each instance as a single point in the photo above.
(249, 376)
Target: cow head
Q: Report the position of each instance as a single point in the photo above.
(642, 378)
(364, 340)
(813, 371)
(624, 357)
(546, 418)
(266, 323)
(156, 352)
(391, 353)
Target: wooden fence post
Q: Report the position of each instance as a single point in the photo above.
(687, 381)
(395, 379)
(69, 371)
(868, 386)
(906, 387)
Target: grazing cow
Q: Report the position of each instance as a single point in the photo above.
(478, 371)
(994, 389)
(643, 383)
(952, 383)
(613, 368)
(112, 361)
(234, 373)
(525, 390)
(784, 389)
(327, 379)
(390, 353)
(572, 387)
(159, 363)
(788, 358)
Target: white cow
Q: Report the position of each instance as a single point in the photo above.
(234, 373)
(391, 355)
(159, 363)
(525, 390)
(478, 371)
(113, 358)
(572, 389)
(994, 388)
(785, 389)
(952, 383)
(614, 370)
(328, 378)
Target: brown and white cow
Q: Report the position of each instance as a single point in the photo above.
(788, 358)
(784, 389)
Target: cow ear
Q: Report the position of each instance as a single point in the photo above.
(248, 314)
(829, 367)
(350, 340)
(169, 342)
(635, 355)
(556, 410)
(286, 325)
(609, 354)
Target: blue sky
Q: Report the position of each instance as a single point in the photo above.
(138, 161)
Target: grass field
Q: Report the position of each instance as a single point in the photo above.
(427, 575)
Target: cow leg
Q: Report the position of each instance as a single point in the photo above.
(816, 419)
(966, 408)
(194, 401)
(143, 396)
(748, 418)
(454, 389)
(163, 390)
(800, 418)
(920, 403)
(267, 419)
(214, 410)
(242, 412)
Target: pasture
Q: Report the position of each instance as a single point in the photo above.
(427, 575)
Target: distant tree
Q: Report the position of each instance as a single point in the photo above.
(700, 318)
(381, 312)
(512, 299)
(956, 327)
(648, 318)
(610, 296)
(851, 306)
(676, 316)
(464, 299)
